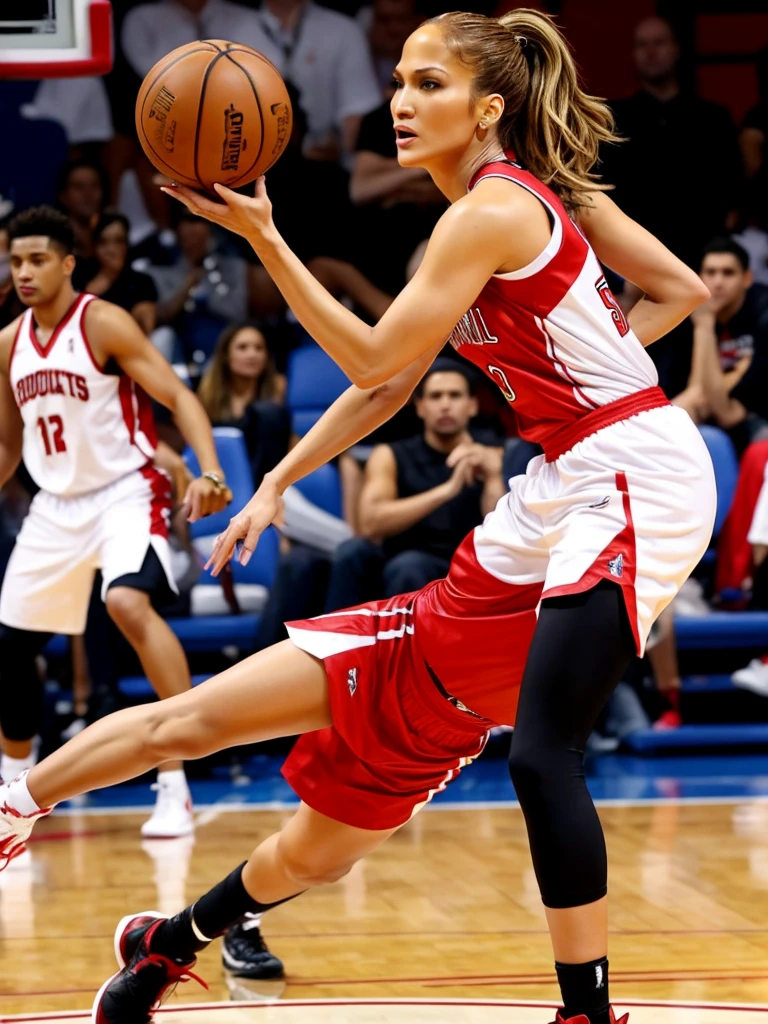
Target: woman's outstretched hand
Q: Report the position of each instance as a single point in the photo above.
(249, 216)
(264, 508)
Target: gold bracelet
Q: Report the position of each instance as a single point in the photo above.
(218, 481)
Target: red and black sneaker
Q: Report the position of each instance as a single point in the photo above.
(133, 994)
(130, 932)
(581, 1019)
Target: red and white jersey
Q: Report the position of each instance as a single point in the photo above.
(84, 428)
(552, 336)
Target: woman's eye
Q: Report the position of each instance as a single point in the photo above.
(396, 83)
(429, 84)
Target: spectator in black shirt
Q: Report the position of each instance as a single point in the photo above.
(420, 496)
(397, 207)
(729, 369)
(679, 171)
(110, 276)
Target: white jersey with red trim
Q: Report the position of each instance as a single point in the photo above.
(84, 428)
(551, 335)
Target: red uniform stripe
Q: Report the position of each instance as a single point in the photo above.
(160, 500)
(623, 544)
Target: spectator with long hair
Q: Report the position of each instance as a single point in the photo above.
(242, 388)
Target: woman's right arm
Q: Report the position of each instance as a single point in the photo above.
(671, 289)
(353, 416)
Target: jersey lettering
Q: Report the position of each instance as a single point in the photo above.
(51, 382)
(501, 379)
(610, 303)
(472, 330)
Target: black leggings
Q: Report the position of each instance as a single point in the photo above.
(21, 690)
(580, 650)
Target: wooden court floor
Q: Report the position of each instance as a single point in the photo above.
(447, 910)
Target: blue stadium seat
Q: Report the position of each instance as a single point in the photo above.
(233, 458)
(726, 464)
(687, 737)
(314, 383)
(323, 488)
(721, 629)
(251, 581)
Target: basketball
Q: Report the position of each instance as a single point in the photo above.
(213, 111)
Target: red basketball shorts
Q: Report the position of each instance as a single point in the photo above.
(396, 740)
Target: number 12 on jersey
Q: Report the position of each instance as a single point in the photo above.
(53, 439)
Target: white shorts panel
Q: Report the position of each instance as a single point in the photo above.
(47, 585)
(634, 502)
(63, 541)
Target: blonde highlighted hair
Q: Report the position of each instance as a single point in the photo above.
(553, 126)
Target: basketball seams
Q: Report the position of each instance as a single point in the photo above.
(209, 85)
(258, 104)
(147, 89)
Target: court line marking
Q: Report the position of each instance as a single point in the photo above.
(232, 807)
(292, 1003)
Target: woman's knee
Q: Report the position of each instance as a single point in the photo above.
(310, 869)
(540, 769)
(170, 733)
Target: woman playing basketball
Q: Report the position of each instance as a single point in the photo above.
(393, 700)
(617, 512)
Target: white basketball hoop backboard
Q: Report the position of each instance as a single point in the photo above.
(55, 38)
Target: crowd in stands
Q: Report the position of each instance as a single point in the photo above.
(405, 497)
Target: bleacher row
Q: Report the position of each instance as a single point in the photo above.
(314, 382)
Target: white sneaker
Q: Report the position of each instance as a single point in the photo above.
(754, 677)
(172, 816)
(15, 827)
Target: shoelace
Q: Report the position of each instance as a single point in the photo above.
(248, 925)
(178, 975)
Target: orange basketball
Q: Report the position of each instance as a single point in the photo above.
(213, 111)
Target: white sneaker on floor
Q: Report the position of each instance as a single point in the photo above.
(753, 677)
(15, 827)
(172, 816)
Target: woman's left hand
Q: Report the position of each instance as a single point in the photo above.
(248, 216)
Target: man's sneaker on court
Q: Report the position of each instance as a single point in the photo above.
(581, 1019)
(172, 816)
(145, 981)
(15, 826)
(245, 953)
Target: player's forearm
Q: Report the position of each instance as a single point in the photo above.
(195, 428)
(344, 336)
(386, 518)
(353, 415)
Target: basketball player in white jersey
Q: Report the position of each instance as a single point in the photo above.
(75, 376)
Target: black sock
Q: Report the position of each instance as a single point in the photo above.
(179, 937)
(585, 990)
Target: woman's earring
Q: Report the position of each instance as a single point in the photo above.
(482, 128)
